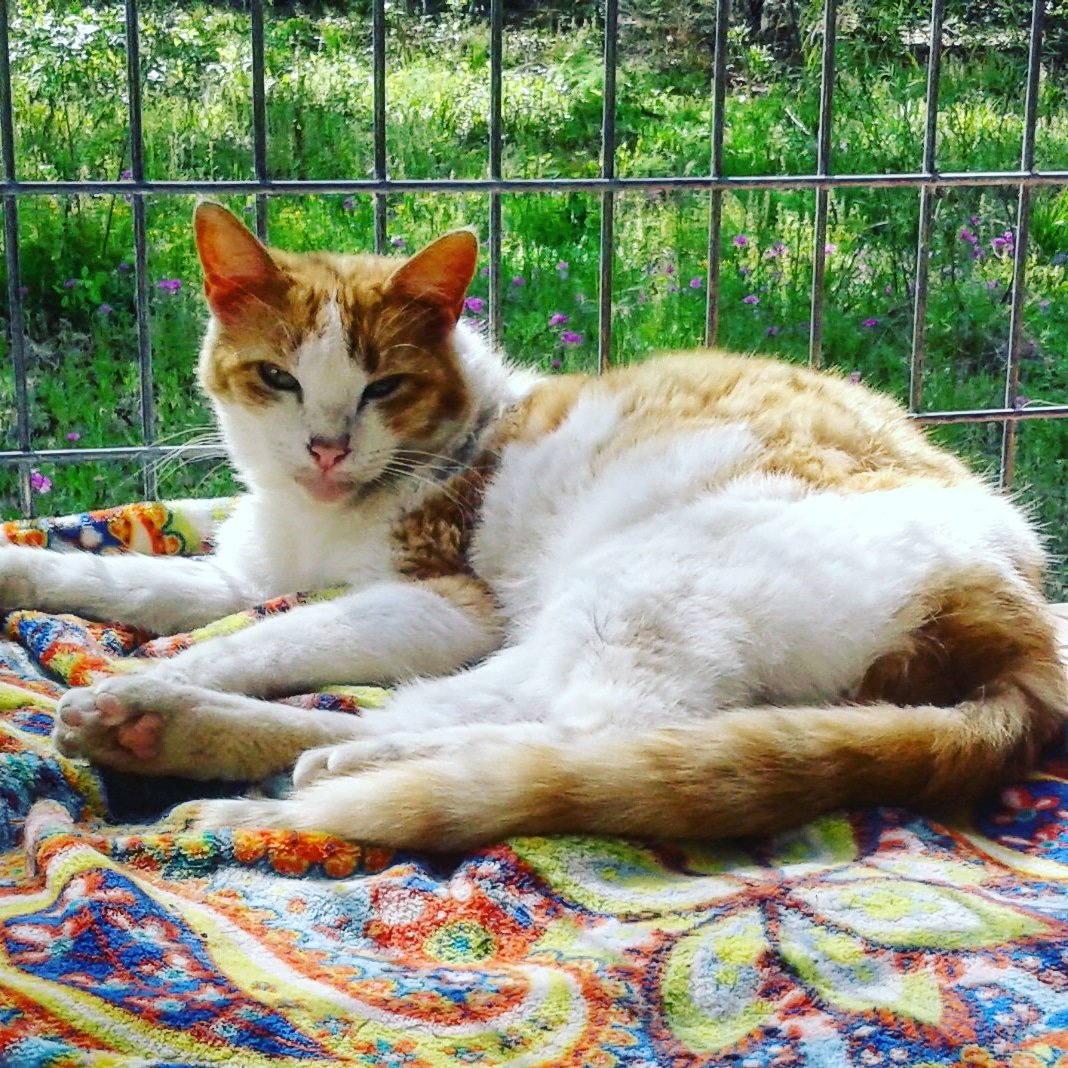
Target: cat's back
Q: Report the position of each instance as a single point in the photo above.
(819, 427)
(705, 442)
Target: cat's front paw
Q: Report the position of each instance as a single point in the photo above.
(130, 723)
(349, 758)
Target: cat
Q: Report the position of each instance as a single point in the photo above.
(704, 596)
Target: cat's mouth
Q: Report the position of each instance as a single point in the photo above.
(326, 488)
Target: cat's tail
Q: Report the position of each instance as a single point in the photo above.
(750, 771)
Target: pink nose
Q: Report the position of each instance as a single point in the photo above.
(328, 453)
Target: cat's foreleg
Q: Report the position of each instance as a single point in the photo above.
(160, 594)
(144, 724)
(387, 632)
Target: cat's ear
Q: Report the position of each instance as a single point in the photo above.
(239, 273)
(440, 273)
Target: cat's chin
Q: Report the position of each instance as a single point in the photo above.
(326, 490)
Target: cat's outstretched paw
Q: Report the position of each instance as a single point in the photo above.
(262, 814)
(131, 723)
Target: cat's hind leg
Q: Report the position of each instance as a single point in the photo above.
(145, 724)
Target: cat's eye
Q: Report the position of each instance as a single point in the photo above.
(381, 387)
(276, 378)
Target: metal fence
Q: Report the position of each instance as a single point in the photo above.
(926, 181)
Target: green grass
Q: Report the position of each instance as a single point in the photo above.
(68, 60)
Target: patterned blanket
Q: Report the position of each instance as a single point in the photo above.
(867, 938)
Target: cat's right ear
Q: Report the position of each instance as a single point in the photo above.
(239, 273)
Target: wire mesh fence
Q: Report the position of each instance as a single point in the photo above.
(18, 450)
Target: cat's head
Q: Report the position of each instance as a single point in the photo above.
(334, 373)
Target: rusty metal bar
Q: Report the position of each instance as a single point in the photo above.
(1019, 259)
(715, 203)
(927, 198)
(15, 323)
(137, 169)
(378, 75)
(608, 201)
(495, 137)
(728, 183)
(823, 168)
(259, 116)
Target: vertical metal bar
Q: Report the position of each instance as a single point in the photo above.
(927, 199)
(715, 205)
(137, 169)
(378, 50)
(496, 61)
(608, 170)
(16, 325)
(823, 164)
(259, 116)
(1019, 263)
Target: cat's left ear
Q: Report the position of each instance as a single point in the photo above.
(440, 273)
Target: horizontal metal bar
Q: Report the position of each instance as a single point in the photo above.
(117, 452)
(280, 187)
(216, 452)
(994, 415)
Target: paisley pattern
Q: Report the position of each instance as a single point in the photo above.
(868, 938)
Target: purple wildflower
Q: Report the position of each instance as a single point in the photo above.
(169, 285)
(558, 319)
(974, 220)
(348, 204)
(669, 269)
(673, 288)
(73, 435)
(777, 250)
(696, 283)
(873, 321)
(830, 248)
(519, 280)
(398, 242)
(126, 175)
(740, 240)
(888, 290)
(23, 290)
(556, 364)
(475, 305)
(104, 309)
(563, 266)
(854, 377)
(124, 267)
(773, 331)
(40, 483)
(751, 299)
(1003, 243)
(992, 285)
(967, 235)
(70, 283)
(569, 337)
(745, 271)
(1044, 304)
(484, 272)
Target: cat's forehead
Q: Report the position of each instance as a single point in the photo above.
(341, 300)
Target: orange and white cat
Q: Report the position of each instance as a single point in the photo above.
(705, 596)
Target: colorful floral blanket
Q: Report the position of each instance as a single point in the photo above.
(869, 938)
